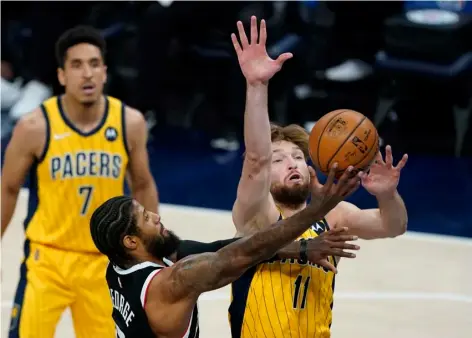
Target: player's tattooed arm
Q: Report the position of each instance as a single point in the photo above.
(199, 273)
(316, 250)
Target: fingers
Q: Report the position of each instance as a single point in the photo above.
(343, 238)
(242, 35)
(353, 184)
(284, 57)
(236, 45)
(254, 34)
(263, 33)
(402, 162)
(342, 253)
(313, 177)
(335, 231)
(345, 246)
(378, 158)
(331, 175)
(326, 264)
(388, 156)
(347, 183)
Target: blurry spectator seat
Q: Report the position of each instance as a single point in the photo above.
(413, 61)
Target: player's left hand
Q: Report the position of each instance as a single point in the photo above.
(383, 177)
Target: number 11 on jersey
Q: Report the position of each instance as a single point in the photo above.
(300, 290)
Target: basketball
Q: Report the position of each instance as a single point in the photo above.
(346, 137)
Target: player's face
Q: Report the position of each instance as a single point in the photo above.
(290, 177)
(156, 239)
(84, 73)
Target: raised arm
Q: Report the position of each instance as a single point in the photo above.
(253, 195)
(26, 145)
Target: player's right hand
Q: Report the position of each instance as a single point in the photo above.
(331, 243)
(255, 63)
(325, 197)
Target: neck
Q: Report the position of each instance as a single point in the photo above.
(148, 258)
(290, 210)
(81, 114)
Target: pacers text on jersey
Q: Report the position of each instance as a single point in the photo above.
(86, 163)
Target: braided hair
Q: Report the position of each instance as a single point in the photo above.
(110, 223)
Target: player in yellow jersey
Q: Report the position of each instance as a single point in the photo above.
(286, 299)
(78, 148)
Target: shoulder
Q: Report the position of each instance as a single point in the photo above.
(31, 129)
(134, 118)
(136, 127)
(338, 215)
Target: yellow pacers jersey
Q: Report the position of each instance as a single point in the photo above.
(284, 299)
(77, 172)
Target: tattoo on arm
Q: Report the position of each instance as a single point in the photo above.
(204, 272)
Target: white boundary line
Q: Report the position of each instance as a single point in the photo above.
(410, 235)
(354, 296)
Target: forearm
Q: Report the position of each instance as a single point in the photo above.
(210, 271)
(265, 243)
(393, 213)
(8, 205)
(188, 248)
(256, 121)
(147, 195)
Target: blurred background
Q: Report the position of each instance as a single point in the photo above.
(406, 65)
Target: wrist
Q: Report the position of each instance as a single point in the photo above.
(256, 85)
(303, 253)
(292, 250)
(387, 196)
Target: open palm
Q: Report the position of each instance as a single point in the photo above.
(255, 63)
(383, 177)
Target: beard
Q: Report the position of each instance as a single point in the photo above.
(291, 197)
(162, 246)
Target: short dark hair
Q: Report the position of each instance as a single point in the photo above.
(110, 223)
(75, 36)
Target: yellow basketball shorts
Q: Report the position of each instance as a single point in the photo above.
(52, 280)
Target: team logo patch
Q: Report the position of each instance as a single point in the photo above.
(111, 134)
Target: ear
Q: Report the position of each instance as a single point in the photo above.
(61, 76)
(130, 242)
(106, 74)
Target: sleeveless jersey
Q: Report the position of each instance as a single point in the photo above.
(128, 293)
(284, 298)
(76, 173)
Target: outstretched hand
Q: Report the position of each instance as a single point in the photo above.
(327, 196)
(331, 243)
(254, 61)
(383, 177)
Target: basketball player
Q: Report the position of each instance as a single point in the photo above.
(283, 298)
(153, 297)
(78, 148)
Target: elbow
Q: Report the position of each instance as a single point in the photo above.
(398, 230)
(258, 159)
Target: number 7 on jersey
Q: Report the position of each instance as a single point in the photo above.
(85, 191)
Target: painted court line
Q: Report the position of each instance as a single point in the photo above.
(358, 296)
(410, 235)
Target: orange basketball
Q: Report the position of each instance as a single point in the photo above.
(346, 137)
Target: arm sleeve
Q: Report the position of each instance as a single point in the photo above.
(187, 248)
